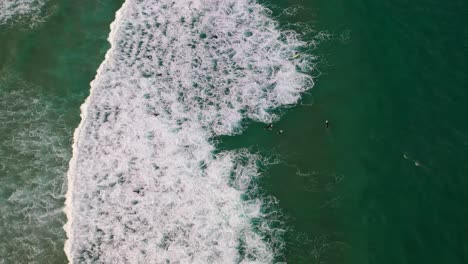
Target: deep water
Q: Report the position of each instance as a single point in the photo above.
(386, 182)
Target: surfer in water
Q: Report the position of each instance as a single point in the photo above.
(296, 55)
(269, 127)
(327, 124)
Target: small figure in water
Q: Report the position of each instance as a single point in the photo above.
(327, 124)
(280, 132)
(295, 55)
(269, 127)
(156, 114)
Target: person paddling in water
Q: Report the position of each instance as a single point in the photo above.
(295, 55)
(269, 127)
(327, 124)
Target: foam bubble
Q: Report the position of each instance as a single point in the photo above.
(144, 182)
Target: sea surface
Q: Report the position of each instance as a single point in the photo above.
(146, 141)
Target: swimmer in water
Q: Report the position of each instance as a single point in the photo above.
(280, 132)
(327, 124)
(269, 127)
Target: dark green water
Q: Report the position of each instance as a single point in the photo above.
(384, 184)
(387, 181)
(44, 77)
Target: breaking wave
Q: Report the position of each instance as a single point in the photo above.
(145, 182)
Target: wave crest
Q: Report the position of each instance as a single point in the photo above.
(145, 184)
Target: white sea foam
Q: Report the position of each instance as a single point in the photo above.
(144, 183)
(12, 11)
(34, 151)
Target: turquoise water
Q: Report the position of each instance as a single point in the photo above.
(384, 184)
(386, 180)
(44, 78)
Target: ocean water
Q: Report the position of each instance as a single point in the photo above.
(44, 72)
(145, 140)
(145, 182)
(26, 12)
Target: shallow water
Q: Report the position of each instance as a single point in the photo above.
(44, 77)
(177, 75)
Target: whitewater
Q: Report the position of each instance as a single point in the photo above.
(23, 11)
(146, 183)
